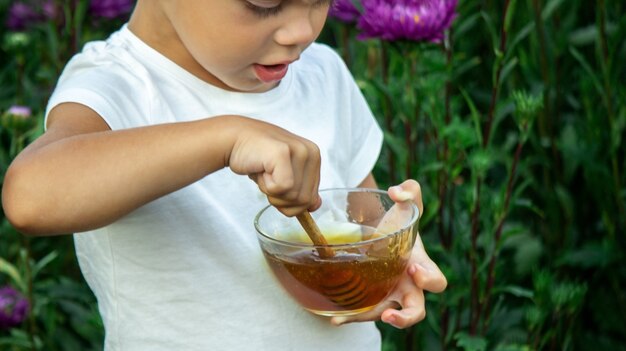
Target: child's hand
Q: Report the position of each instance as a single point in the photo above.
(286, 167)
(421, 274)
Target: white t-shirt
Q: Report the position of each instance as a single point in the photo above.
(185, 272)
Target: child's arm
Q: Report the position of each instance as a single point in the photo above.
(421, 274)
(80, 175)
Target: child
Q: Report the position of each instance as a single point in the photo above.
(149, 138)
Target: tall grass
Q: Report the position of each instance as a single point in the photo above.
(514, 126)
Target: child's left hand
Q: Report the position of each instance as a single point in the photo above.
(421, 274)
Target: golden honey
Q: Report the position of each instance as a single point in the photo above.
(350, 281)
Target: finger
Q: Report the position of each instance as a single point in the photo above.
(278, 181)
(408, 190)
(424, 272)
(311, 176)
(413, 311)
(371, 315)
(393, 301)
(428, 277)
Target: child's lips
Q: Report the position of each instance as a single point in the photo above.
(271, 73)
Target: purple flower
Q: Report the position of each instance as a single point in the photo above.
(18, 119)
(23, 14)
(23, 112)
(13, 307)
(111, 8)
(418, 20)
(344, 10)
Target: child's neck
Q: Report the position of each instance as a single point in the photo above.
(151, 25)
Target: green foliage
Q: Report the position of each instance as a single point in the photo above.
(63, 313)
(514, 126)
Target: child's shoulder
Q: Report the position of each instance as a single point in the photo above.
(323, 58)
(321, 53)
(108, 63)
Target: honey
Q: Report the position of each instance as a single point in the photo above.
(351, 281)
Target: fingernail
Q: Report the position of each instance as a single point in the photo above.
(392, 320)
(339, 320)
(402, 195)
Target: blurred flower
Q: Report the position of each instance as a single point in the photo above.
(19, 111)
(14, 307)
(344, 10)
(418, 20)
(111, 8)
(23, 14)
(50, 9)
(17, 118)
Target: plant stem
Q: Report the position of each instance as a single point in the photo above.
(476, 308)
(474, 303)
(498, 236)
(544, 124)
(496, 83)
(408, 130)
(30, 295)
(608, 94)
(445, 320)
(345, 41)
(443, 156)
(384, 57)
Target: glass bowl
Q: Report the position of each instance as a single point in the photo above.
(371, 241)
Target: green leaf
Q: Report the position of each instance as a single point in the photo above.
(11, 271)
(490, 27)
(470, 343)
(510, 13)
(584, 36)
(521, 35)
(475, 114)
(518, 291)
(585, 65)
(508, 68)
(549, 9)
(44, 262)
(591, 255)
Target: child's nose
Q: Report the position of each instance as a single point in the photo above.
(298, 30)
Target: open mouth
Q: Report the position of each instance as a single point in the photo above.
(270, 73)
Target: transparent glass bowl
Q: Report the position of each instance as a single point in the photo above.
(370, 239)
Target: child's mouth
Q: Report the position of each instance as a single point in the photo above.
(270, 73)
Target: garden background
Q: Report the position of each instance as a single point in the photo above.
(512, 117)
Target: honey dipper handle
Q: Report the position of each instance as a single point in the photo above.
(307, 222)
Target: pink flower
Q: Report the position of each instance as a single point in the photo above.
(417, 20)
(23, 112)
(344, 10)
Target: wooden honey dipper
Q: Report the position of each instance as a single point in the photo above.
(313, 231)
(345, 290)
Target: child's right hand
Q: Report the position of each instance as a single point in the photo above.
(285, 166)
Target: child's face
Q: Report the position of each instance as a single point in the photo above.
(242, 45)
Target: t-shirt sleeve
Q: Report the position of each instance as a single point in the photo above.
(111, 90)
(367, 140)
(366, 136)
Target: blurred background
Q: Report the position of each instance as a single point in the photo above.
(511, 114)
